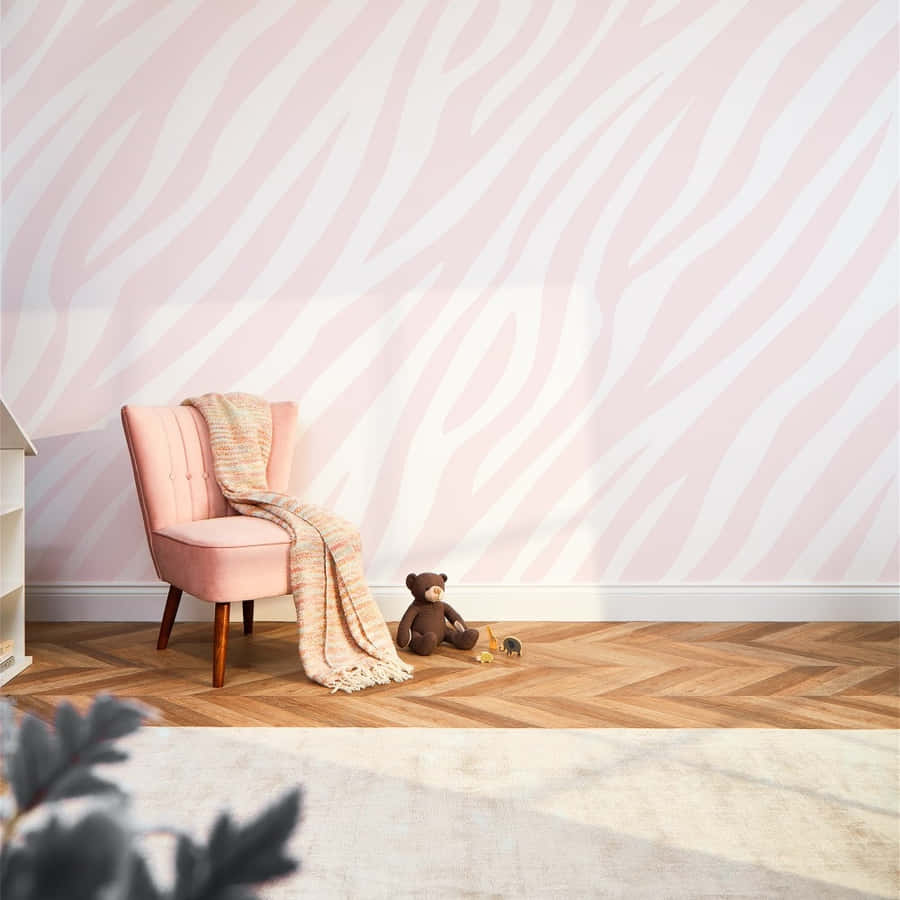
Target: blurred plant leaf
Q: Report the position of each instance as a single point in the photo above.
(110, 718)
(47, 766)
(99, 753)
(238, 855)
(140, 883)
(34, 763)
(79, 782)
(9, 734)
(188, 859)
(255, 852)
(221, 837)
(94, 858)
(69, 729)
(59, 862)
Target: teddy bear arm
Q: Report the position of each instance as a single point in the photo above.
(403, 629)
(455, 618)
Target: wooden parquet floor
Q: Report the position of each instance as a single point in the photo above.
(571, 675)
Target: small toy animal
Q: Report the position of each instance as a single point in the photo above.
(485, 657)
(494, 644)
(512, 645)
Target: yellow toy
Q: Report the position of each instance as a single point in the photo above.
(485, 657)
(494, 644)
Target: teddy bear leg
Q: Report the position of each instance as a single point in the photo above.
(423, 644)
(462, 640)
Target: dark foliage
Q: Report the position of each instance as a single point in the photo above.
(95, 857)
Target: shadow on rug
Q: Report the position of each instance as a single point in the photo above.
(519, 813)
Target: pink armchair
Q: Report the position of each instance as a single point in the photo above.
(197, 542)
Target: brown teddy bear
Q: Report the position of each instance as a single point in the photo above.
(424, 624)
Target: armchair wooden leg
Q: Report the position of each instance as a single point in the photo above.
(168, 619)
(221, 643)
(248, 617)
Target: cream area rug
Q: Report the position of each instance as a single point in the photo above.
(456, 813)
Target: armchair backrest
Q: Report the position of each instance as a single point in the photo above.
(173, 465)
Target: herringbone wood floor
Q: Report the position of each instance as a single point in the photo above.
(571, 675)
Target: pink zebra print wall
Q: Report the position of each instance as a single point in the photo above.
(594, 292)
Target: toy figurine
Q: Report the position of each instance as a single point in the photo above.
(509, 645)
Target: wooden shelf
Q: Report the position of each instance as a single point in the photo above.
(14, 447)
(14, 669)
(10, 587)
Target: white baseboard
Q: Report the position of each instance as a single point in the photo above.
(68, 602)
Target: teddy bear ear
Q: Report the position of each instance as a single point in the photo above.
(410, 580)
(444, 577)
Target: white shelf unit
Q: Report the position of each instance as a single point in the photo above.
(14, 445)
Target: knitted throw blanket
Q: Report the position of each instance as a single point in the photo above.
(344, 641)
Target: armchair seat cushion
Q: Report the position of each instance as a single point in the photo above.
(225, 559)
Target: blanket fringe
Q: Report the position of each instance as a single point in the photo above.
(358, 677)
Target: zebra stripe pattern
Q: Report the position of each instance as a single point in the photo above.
(566, 291)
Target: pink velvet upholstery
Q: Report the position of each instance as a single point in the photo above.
(227, 559)
(196, 540)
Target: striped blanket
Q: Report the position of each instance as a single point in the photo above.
(344, 641)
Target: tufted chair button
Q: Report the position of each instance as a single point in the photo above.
(188, 476)
(172, 475)
(206, 475)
